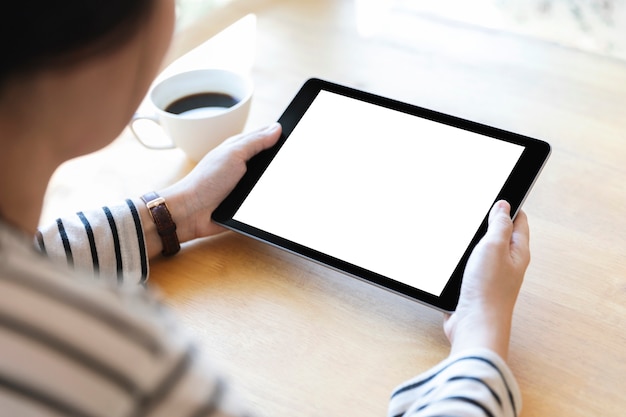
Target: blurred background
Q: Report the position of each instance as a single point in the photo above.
(594, 26)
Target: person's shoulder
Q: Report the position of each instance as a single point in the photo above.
(18, 256)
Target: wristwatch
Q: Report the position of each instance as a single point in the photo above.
(164, 223)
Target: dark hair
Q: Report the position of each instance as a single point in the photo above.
(44, 33)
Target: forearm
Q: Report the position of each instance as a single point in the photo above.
(480, 329)
(106, 243)
(475, 383)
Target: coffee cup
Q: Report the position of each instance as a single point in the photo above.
(197, 110)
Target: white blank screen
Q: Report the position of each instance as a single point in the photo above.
(386, 191)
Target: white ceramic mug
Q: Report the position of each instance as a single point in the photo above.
(201, 126)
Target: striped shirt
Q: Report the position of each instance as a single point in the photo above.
(91, 347)
(71, 346)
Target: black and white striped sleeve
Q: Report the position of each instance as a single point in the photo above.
(474, 383)
(107, 243)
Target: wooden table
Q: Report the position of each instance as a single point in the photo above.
(302, 339)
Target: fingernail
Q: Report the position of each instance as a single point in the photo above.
(272, 127)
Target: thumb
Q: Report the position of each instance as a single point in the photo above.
(500, 223)
(250, 144)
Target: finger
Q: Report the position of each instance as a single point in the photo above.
(250, 144)
(521, 230)
(500, 223)
(255, 135)
(520, 238)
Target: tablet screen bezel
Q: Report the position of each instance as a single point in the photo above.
(515, 189)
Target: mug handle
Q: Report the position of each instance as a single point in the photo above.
(154, 120)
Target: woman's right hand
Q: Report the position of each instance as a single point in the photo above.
(491, 282)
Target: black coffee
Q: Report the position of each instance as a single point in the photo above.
(201, 100)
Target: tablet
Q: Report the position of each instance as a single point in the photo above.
(387, 192)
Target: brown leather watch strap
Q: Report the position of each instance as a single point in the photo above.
(164, 223)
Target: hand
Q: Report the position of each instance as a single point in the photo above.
(193, 199)
(491, 282)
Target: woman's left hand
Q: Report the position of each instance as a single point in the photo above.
(193, 199)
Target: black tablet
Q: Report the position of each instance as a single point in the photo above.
(384, 191)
